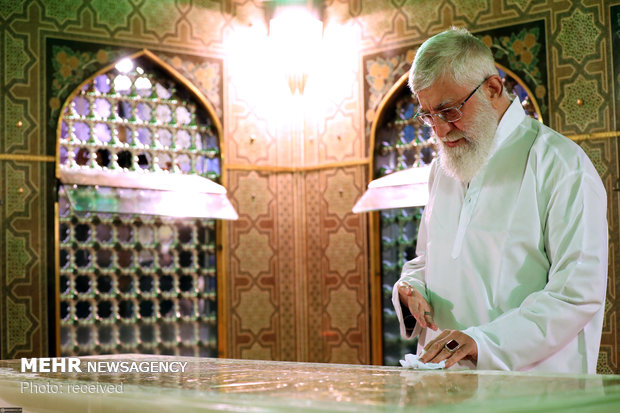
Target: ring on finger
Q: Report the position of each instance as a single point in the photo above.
(451, 345)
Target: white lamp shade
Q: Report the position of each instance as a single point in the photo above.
(152, 193)
(402, 189)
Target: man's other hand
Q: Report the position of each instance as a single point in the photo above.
(417, 305)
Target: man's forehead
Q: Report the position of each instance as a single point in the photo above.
(440, 95)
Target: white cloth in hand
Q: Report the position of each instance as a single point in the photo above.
(412, 361)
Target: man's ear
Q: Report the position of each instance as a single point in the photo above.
(494, 88)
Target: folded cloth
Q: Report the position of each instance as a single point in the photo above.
(412, 361)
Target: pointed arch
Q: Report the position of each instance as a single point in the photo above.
(169, 70)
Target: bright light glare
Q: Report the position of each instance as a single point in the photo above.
(295, 23)
(122, 82)
(259, 83)
(143, 83)
(296, 36)
(124, 65)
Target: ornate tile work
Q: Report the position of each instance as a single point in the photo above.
(522, 4)
(337, 132)
(596, 156)
(254, 253)
(18, 257)
(314, 228)
(578, 35)
(8, 8)
(15, 133)
(318, 293)
(318, 274)
(614, 24)
(471, 9)
(577, 58)
(382, 22)
(19, 191)
(18, 58)
(289, 275)
(256, 352)
(207, 21)
(19, 325)
(253, 266)
(344, 269)
(17, 64)
(158, 15)
(61, 12)
(253, 195)
(344, 310)
(252, 146)
(341, 192)
(342, 252)
(345, 354)
(582, 103)
(255, 311)
(21, 301)
(112, 15)
(380, 74)
(342, 141)
(603, 364)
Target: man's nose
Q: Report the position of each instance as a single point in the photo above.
(441, 127)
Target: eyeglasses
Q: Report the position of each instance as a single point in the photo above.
(448, 114)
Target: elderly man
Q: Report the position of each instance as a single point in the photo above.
(511, 265)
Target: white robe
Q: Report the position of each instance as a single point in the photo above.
(517, 260)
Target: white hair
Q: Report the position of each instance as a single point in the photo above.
(455, 53)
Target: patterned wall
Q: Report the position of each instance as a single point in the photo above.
(298, 267)
(298, 259)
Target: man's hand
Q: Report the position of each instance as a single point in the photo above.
(417, 305)
(452, 346)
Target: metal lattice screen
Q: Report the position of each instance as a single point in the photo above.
(135, 283)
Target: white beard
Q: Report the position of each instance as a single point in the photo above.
(465, 160)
